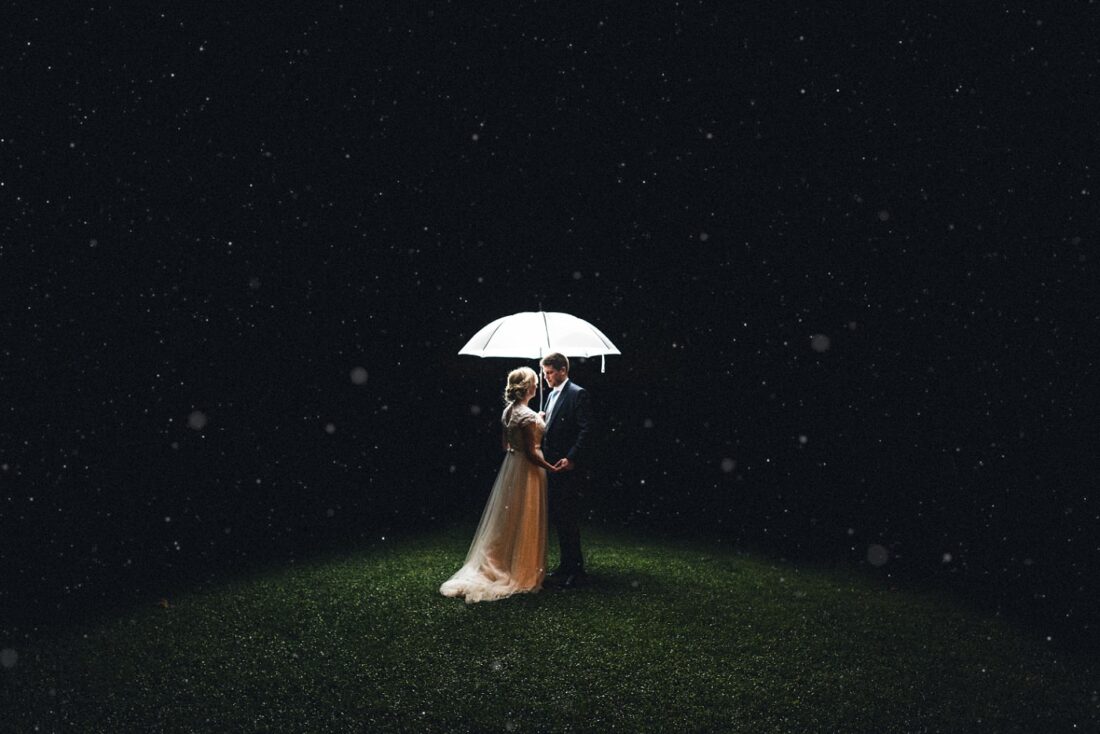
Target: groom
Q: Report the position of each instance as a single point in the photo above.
(565, 443)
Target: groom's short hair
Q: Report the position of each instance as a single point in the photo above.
(557, 360)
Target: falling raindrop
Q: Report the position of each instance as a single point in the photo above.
(197, 420)
(8, 657)
(877, 555)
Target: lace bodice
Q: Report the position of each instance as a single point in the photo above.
(515, 417)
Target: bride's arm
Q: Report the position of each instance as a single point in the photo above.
(531, 448)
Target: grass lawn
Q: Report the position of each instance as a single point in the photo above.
(668, 637)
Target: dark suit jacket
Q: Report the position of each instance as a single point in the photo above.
(567, 432)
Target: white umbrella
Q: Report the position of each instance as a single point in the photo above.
(534, 334)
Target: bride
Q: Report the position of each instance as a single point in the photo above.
(508, 553)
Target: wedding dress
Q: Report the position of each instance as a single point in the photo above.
(508, 553)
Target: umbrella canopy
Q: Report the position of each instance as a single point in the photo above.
(533, 334)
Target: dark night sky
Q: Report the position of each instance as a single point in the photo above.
(225, 214)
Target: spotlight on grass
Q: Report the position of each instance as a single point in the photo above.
(665, 638)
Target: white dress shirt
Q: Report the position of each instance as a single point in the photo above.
(553, 400)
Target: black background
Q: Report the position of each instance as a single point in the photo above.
(227, 212)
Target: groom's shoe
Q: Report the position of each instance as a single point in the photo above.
(573, 580)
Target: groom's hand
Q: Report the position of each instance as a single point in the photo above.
(565, 465)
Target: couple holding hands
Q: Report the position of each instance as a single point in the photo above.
(537, 482)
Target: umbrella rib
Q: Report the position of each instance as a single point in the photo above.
(490, 337)
(602, 338)
(546, 328)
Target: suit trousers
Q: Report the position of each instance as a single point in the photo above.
(563, 495)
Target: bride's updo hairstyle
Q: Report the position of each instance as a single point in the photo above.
(520, 381)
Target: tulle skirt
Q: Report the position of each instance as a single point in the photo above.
(508, 552)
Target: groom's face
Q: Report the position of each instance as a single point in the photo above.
(554, 377)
